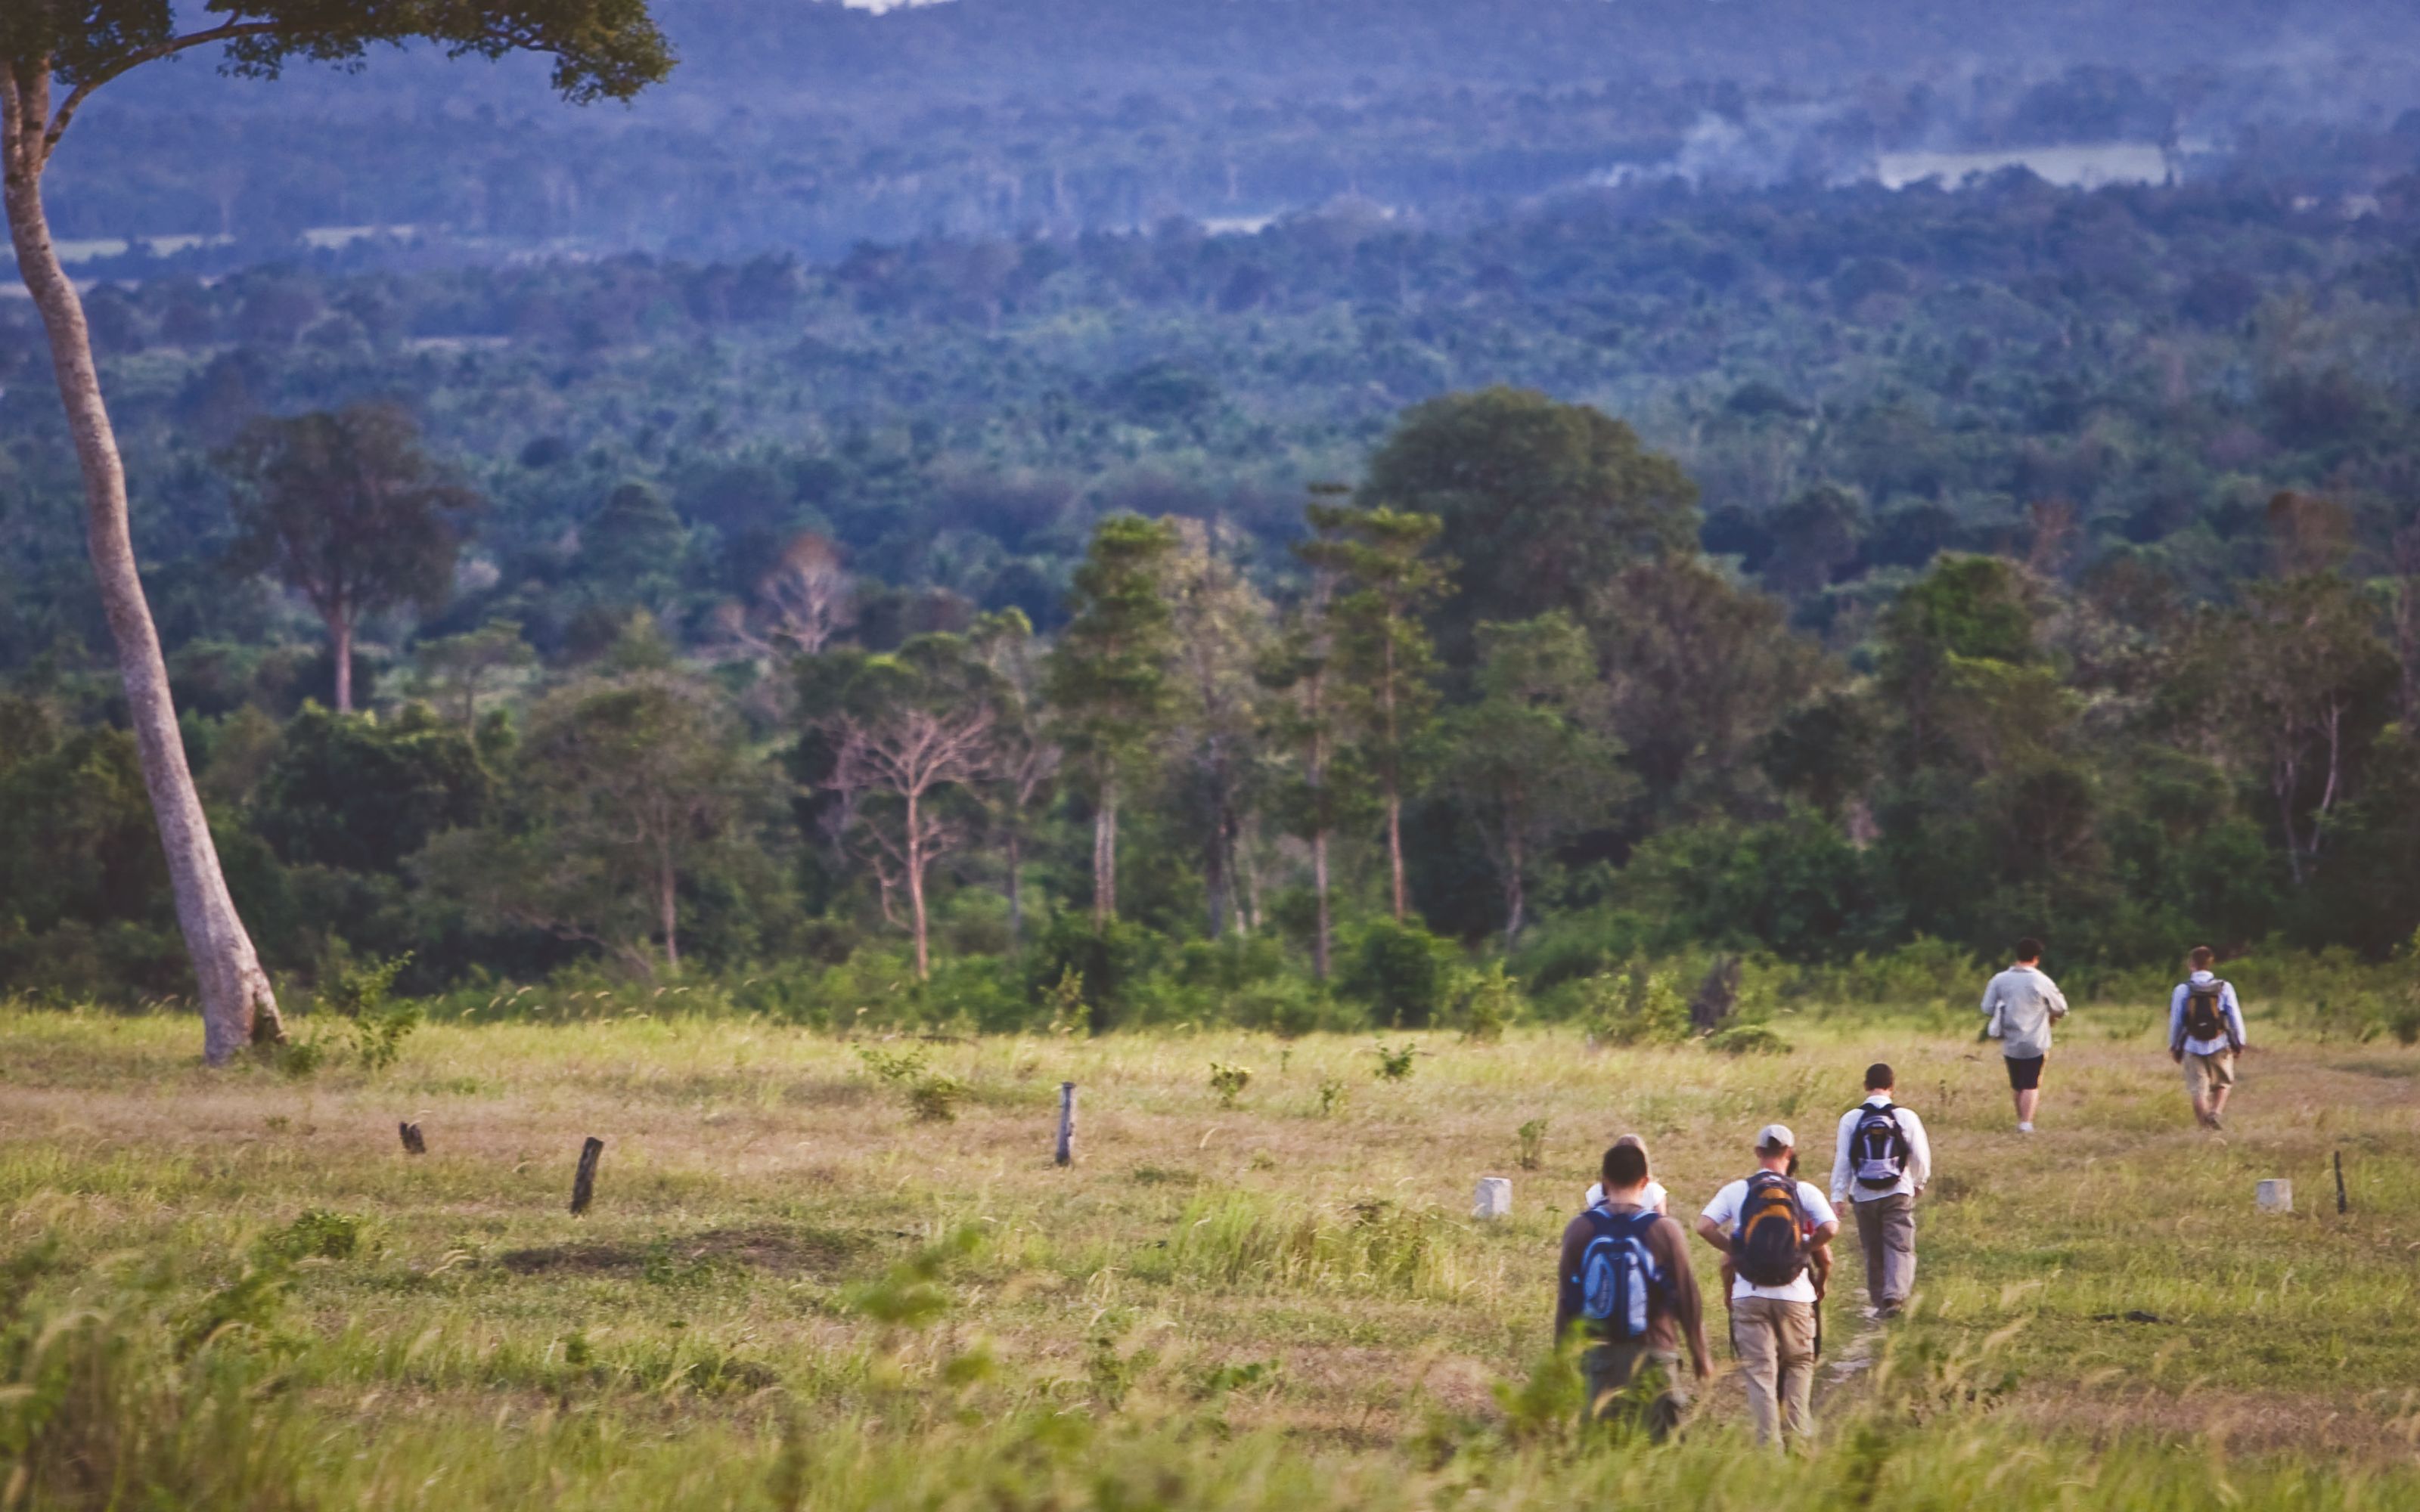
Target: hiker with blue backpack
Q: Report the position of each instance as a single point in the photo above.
(1624, 1285)
(2205, 1035)
(1776, 1234)
(1880, 1163)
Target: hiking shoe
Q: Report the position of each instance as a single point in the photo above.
(2216, 1127)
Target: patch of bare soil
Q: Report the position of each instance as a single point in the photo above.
(783, 1251)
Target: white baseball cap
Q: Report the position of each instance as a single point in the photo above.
(1776, 1136)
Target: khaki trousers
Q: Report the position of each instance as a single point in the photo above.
(1776, 1341)
(1886, 1232)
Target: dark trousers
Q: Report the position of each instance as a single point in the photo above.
(1886, 1232)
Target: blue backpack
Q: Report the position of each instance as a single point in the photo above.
(1617, 1272)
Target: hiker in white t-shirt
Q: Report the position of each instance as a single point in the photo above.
(1776, 1234)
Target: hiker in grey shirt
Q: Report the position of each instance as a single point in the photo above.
(2023, 1004)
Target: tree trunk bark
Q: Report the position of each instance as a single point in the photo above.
(1247, 872)
(1016, 899)
(1214, 868)
(340, 641)
(668, 909)
(1395, 849)
(916, 892)
(1109, 900)
(237, 1005)
(1515, 892)
(1319, 891)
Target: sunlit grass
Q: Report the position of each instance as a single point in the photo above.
(1281, 1303)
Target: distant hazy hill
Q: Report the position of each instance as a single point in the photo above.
(801, 124)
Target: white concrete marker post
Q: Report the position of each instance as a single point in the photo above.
(1065, 1153)
(1493, 1199)
(2275, 1196)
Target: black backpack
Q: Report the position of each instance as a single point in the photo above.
(1769, 1246)
(2206, 1011)
(1878, 1148)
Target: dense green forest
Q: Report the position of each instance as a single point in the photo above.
(1187, 619)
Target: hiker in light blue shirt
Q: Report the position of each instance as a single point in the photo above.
(2022, 1004)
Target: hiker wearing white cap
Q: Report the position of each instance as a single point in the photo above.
(1776, 1233)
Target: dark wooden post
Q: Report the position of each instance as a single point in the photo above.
(1067, 1155)
(2340, 1192)
(583, 1186)
(412, 1143)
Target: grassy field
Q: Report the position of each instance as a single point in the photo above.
(233, 1289)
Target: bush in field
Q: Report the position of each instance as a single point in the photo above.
(1395, 1061)
(1633, 1006)
(1401, 972)
(1111, 964)
(1491, 1001)
(375, 1024)
(372, 1027)
(935, 1097)
(1748, 1040)
(1229, 1082)
(1533, 1144)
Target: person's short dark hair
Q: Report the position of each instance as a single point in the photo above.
(2029, 949)
(1625, 1166)
(2200, 957)
(1879, 1078)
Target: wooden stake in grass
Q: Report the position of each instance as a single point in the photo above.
(1067, 1155)
(412, 1143)
(2340, 1192)
(583, 1186)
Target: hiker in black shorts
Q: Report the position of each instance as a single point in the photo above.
(2022, 1004)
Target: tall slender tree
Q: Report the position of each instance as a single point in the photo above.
(345, 509)
(1527, 763)
(1024, 764)
(1389, 666)
(53, 55)
(1110, 677)
(1322, 791)
(1222, 627)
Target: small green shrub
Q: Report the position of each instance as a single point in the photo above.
(298, 1059)
(1229, 1082)
(891, 1068)
(1332, 1096)
(1395, 1061)
(1748, 1040)
(935, 1097)
(375, 1024)
(317, 1234)
(1401, 972)
(1635, 1006)
(1533, 1135)
(1489, 1002)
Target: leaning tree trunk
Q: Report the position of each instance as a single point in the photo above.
(237, 1005)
